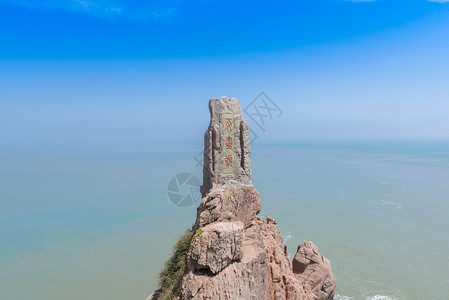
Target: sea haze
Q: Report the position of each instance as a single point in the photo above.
(95, 222)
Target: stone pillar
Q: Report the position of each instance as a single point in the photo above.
(226, 146)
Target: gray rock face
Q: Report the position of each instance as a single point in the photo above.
(215, 246)
(233, 203)
(246, 278)
(235, 254)
(257, 268)
(314, 271)
(226, 146)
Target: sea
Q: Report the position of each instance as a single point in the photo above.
(98, 221)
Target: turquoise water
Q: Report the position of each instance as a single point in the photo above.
(96, 223)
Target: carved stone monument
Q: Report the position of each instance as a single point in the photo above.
(226, 146)
(234, 254)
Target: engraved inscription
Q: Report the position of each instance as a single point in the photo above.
(227, 121)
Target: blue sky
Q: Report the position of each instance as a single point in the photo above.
(130, 71)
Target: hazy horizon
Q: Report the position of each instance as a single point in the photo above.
(339, 70)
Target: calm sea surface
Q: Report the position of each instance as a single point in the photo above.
(96, 222)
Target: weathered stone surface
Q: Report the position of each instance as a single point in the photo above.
(236, 254)
(282, 282)
(246, 278)
(314, 271)
(231, 203)
(264, 271)
(214, 175)
(215, 246)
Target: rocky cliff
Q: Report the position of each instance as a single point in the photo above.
(231, 253)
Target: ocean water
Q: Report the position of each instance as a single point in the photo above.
(95, 222)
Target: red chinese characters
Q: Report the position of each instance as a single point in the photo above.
(228, 143)
(228, 125)
(228, 161)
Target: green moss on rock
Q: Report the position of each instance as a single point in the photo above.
(197, 234)
(170, 279)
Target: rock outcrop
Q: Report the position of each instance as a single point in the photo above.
(215, 246)
(227, 136)
(314, 271)
(235, 254)
(232, 203)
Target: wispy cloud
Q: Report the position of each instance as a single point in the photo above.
(436, 1)
(360, 0)
(158, 10)
(138, 10)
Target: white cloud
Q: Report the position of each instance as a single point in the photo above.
(158, 10)
(360, 0)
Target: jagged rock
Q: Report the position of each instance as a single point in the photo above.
(264, 265)
(314, 271)
(215, 246)
(229, 204)
(246, 278)
(236, 255)
(282, 282)
(226, 122)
